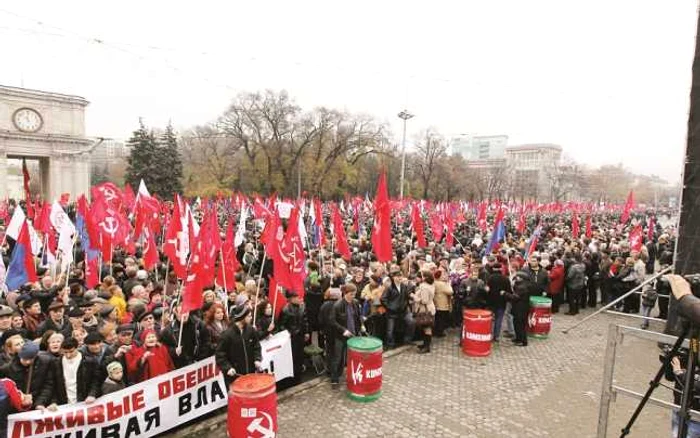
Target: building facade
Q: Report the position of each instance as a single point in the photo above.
(48, 128)
(532, 167)
(483, 147)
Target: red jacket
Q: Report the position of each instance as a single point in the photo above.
(159, 363)
(556, 280)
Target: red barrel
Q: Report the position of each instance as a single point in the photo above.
(539, 320)
(364, 371)
(252, 406)
(476, 332)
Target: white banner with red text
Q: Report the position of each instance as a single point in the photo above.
(142, 410)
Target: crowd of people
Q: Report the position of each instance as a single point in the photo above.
(65, 343)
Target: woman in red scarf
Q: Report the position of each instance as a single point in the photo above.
(150, 360)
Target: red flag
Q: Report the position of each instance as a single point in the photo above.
(450, 224)
(129, 197)
(109, 193)
(575, 228)
(650, 229)
(319, 222)
(481, 218)
(629, 205)
(381, 231)
(273, 237)
(42, 221)
(589, 228)
(636, 238)
(228, 263)
(436, 226)
(176, 244)
(147, 213)
(150, 251)
(277, 297)
(192, 298)
(27, 193)
(113, 226)
(417, 224)
(292, 255)
(339, 230)
(522, 221)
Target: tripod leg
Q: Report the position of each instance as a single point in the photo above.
(654, 383)
(688, 387)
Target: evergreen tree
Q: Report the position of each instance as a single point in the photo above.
(142, 162)
(171, 179)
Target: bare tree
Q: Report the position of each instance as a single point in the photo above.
(429, 151)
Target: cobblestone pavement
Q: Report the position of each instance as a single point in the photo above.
(549, 389)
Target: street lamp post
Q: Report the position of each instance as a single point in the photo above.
(404, 115)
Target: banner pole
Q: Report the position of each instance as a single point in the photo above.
(257, 290)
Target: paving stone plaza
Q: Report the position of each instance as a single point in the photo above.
(549, 389)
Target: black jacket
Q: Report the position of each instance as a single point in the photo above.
(88, 384)
(293, 319)
(539, 280)
(324, 317)
(394, 299)
(66, 330)
(339, 317)
(497, 283)
(238, 350)
(42, 383)
(195, 341)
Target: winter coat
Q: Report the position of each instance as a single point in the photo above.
(109, 386)
(87, 384)
(293, 319)
(339, 317)
(556, 280)
(538, 280)
(195, 341)
(424, 298)
(443, 295)
(156, 365)
(42, 383)
(65, 329)
(496, 284)
(238, 350)
(576, 276)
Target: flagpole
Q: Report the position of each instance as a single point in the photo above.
(274, 304)
(257, 290)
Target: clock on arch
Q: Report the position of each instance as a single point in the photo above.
(27, 120)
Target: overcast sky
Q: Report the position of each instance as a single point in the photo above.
(607, 80)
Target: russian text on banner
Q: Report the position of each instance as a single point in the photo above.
(142, 410)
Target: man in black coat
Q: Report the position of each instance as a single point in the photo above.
(519, 298)
(195, 339)
(293, 319)
(395, 300)
(346, 323)
(32, 373)
(498, 288)
(82, 383)
(56, 321)
(239, 350)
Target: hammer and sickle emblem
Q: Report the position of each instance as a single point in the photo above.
(108, 193)
(110, 225)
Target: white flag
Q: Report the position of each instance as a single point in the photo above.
(142, 188)
(15, 225)
(240, 229)
(58, 217)
(65, 244)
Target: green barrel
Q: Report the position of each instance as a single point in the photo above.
(364, 368)
(539, 319)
